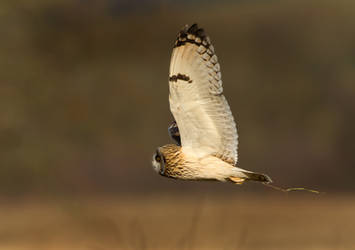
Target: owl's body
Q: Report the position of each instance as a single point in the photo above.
(204, 130)
(181, 164)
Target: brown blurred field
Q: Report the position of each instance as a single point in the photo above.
(204, 221)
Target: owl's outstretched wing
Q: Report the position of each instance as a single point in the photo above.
(203, 116)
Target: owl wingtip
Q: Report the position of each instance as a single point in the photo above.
(197, 35)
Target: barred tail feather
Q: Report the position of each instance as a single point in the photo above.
(258, 177)
(251, 176)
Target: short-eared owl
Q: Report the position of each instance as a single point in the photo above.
(205, 132)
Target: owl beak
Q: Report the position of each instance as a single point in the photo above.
(162, 169)
(162, 164)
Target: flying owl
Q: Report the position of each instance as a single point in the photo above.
(204, 129)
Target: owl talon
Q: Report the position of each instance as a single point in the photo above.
(237, 180)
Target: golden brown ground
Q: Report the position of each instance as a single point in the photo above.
(201, 222)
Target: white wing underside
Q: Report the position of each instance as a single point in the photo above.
(201, 111)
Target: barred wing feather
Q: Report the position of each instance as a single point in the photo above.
(204, 118)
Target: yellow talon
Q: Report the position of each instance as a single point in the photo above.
(237, 180)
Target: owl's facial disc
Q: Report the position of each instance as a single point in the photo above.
(158, 162)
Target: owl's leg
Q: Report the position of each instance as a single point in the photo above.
(174, 133)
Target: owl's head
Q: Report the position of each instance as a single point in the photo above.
(159, 162)
(166, 159)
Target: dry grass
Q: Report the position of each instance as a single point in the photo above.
(202, 222)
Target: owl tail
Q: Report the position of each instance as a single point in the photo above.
(251, 176)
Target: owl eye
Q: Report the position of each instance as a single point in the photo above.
(157, 158)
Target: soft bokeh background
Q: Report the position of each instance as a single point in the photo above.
(84, 104)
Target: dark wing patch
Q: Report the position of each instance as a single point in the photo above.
(197, 36)
(179, 76)
(174, 133)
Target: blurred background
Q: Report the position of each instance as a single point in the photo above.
(84, 105)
